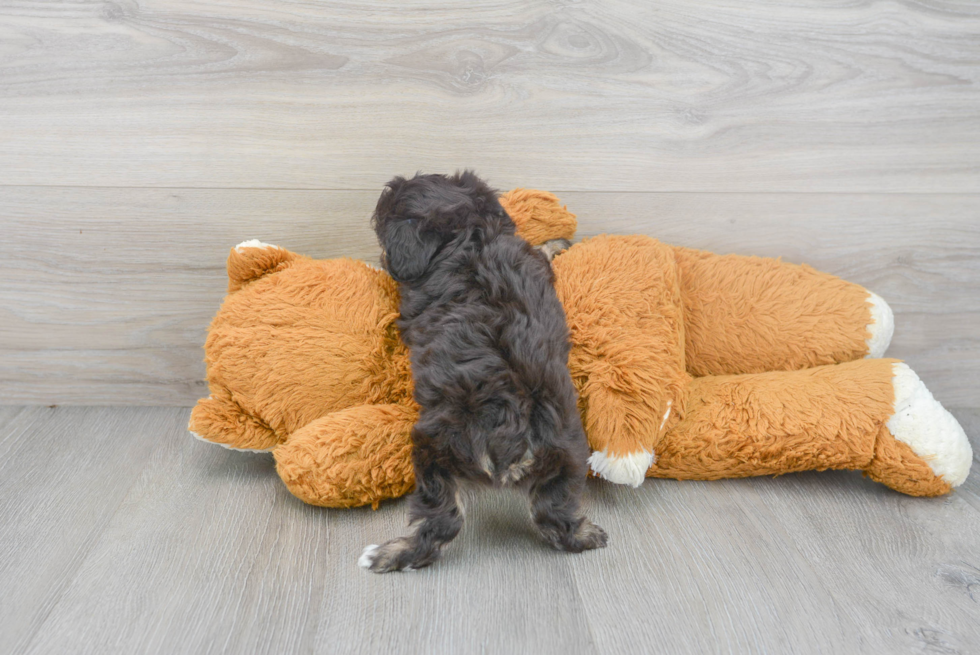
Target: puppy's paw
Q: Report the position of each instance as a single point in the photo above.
(367, 557)
(587, 536)
(394, 555)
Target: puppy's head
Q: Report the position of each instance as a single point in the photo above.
(416, 218)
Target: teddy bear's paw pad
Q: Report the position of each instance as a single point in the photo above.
(881, 328)
(253, 243)
(622, 469)
(928, 429)
(224, 445)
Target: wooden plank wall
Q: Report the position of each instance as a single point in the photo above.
(139, 140)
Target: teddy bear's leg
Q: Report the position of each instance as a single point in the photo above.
(752, 314)
(250, 260)
(218, 419)
(871, 415)
(357, 456)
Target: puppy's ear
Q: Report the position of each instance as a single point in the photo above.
(408, 251)
(485, 203)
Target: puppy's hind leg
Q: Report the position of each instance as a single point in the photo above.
(555, 509)
(435, 507)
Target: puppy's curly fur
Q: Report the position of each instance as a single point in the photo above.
(489, 350)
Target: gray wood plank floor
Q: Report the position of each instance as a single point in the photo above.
(122, 534)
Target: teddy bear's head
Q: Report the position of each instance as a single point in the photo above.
(297, 339)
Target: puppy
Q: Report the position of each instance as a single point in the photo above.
(489, 351)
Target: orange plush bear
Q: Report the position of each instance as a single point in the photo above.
(688, 365)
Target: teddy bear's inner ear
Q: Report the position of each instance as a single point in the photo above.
(539, 216)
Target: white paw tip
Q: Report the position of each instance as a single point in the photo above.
(622, 469)
(253, 243)
(928, 429)
(881, 327)
(367, 557)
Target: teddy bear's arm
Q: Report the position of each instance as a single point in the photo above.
(623, 307)
(219, 419)
(872, 415)
(753, 314)
(356, 456)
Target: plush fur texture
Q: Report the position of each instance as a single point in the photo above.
(760, 361)
(623, 300)
(753, 314)
(539, 216)
(489, 351)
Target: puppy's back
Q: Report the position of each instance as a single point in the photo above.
(492, 332)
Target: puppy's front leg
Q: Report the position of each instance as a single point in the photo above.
(434, 506)
(555, 511)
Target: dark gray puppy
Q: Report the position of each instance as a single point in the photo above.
(489, 350)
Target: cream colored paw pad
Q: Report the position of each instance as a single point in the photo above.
(881, 327)
(224, 445)
(622, 469)
(928, 429)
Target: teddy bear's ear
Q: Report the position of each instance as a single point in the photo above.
(250, 260)
(539, 216)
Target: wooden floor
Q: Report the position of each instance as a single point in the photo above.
(141, 139)
(122, 534)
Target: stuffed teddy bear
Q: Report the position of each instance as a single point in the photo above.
(688, 365)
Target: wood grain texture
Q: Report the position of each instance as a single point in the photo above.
(141, 139)
(153, 542)
(108, 292)
(63, 475)
(627, 96)
(116, 287)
